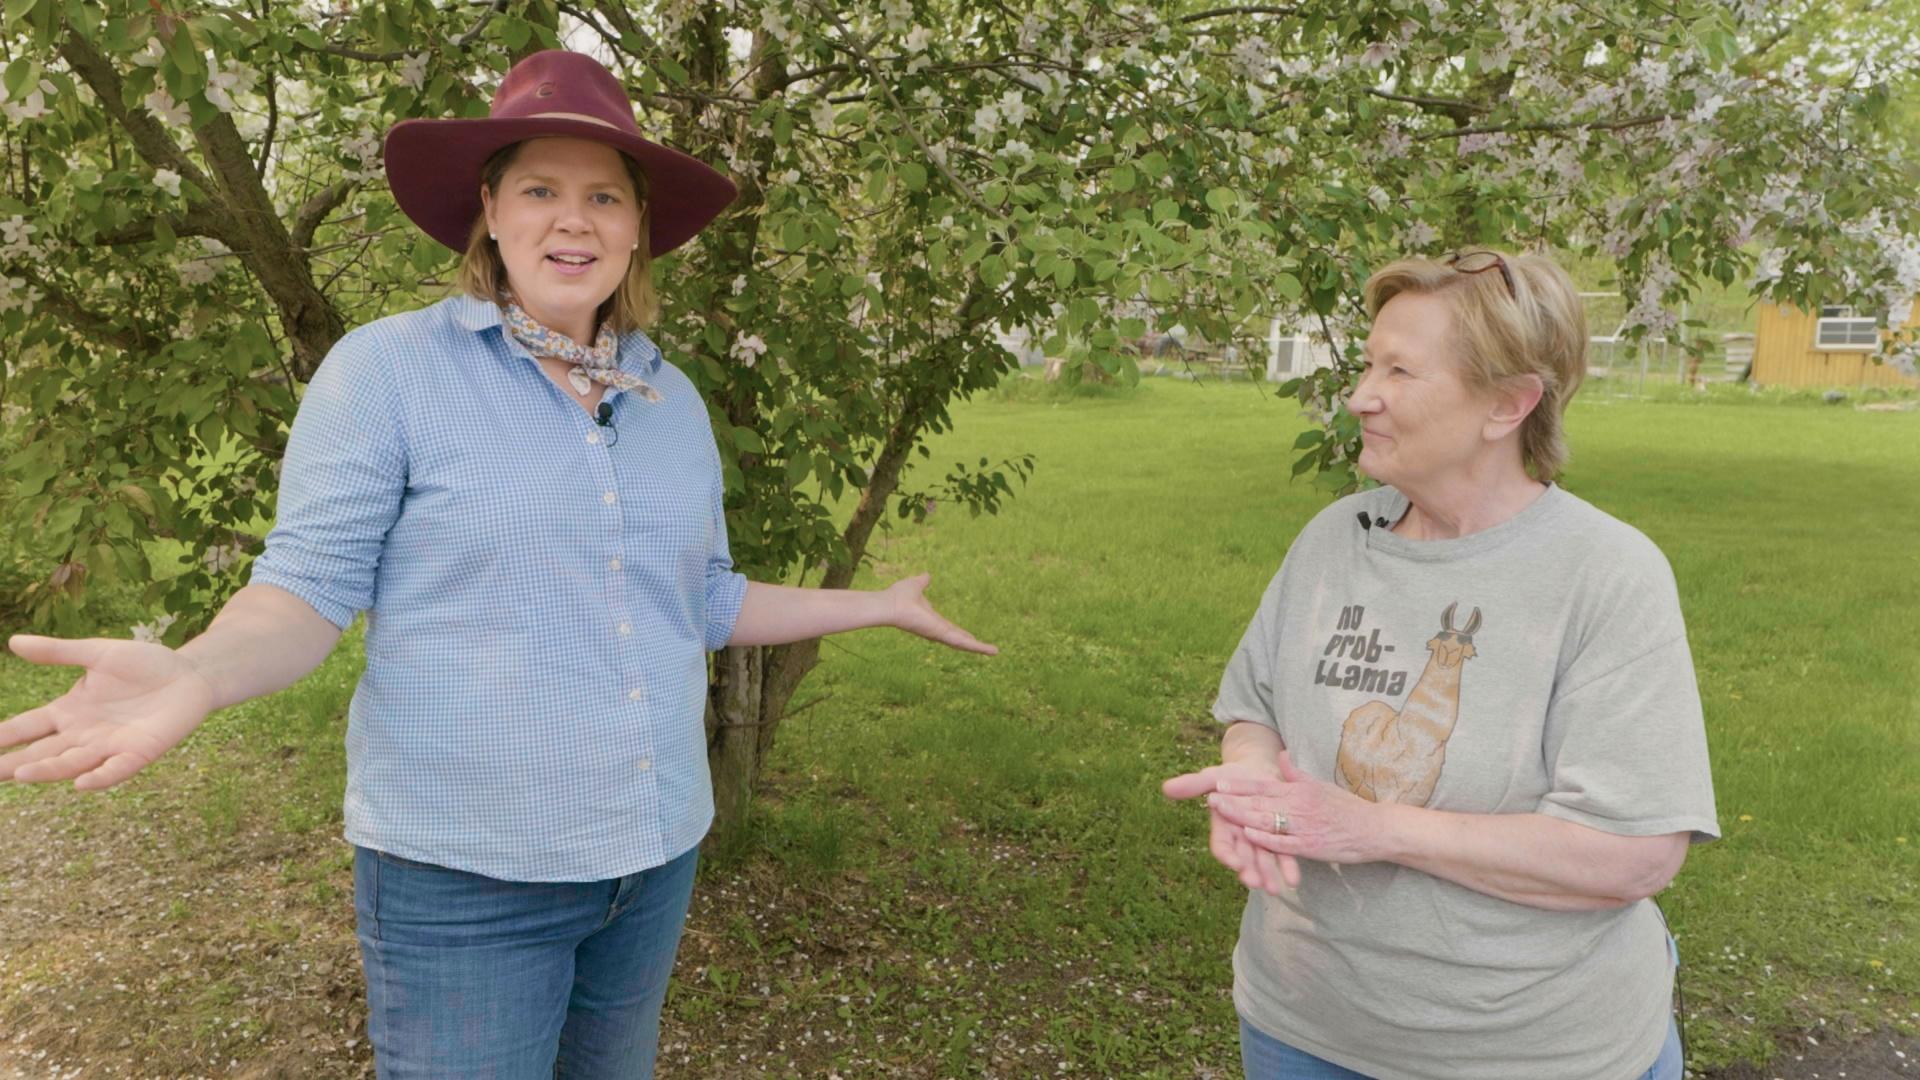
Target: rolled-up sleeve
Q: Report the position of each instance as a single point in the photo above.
(726, 589)
(341, 485)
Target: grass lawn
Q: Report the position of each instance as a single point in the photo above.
(963, 867)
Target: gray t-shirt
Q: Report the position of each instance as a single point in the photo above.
(1539, 666)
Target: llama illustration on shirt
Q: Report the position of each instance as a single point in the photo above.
(1390, 755)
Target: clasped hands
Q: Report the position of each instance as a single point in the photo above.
(1323, 821)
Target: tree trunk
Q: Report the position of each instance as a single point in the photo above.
(738, 735)
(751, 687)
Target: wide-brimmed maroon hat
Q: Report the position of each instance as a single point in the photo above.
(434, 166)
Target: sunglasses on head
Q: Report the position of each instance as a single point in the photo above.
(1478, 262)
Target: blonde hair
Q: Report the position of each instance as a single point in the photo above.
(1539, 329)
(483, 274)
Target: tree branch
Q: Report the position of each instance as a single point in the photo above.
(458, 43)
(316, 209)
(151, 140)
(906, 119)
(1455, 108)
(80, 317)
(197, 221)
(1253, 9)
(1547, 125)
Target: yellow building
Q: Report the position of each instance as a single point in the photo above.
(1835, 348)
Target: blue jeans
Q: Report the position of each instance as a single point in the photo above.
(470, 977)
(1264, 1057)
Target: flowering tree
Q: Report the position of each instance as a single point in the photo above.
(192, 212)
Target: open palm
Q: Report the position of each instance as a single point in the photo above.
(135, 702)
(914, 613)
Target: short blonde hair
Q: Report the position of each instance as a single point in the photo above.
(483, 274)
(1539, 328)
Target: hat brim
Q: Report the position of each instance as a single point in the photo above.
(433, 167)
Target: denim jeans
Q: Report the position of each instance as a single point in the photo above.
(470, 977)
(1264, 1057)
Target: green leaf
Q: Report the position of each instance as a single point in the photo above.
(749, 441)
(61, 520)
(1123, 178)
(514, 32)
(17, 10)
(1309, 437)
(21, 74)
(1220, 200)
(1287, 285)
(914, 175)
(1165, 210)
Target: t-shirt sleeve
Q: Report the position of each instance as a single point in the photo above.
(1246, 687)
(342, 480)
(1626, 748)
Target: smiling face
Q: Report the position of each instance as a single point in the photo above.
(1418, 417)
(566, 219)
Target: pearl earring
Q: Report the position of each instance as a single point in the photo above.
(636, 245)
(493, 236)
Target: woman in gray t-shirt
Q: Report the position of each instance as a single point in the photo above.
(1463, 740)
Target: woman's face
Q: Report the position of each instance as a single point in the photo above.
(566, 221)
(1419, 420)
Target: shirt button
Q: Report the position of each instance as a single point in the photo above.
(607, 498)
(643, 764)
(635, 694)
(593, 438)
(625, 629)
(613, 564)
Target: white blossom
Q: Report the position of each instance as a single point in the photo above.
(823, 116)
(748, 348)
(775, 24)
(364, 148)
(1252, 56)
(168, 181)
(150, 56)
(233, 77)
(918, 39)
(31, 107)
(1013, 108)
(1708, 108)
(154, 630)
(206, 266)
(166, 110)
(221, 557)
(413, 71)
(986, 121)
(1378, 53)
(1654, 75)
(1419, 236)
(15, 293)
(739, 284)
(16, 235)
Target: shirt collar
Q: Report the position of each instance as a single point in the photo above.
(638, 354)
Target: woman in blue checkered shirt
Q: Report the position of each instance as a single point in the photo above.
(525, 499)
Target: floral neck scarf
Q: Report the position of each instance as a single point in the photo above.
(598, 364)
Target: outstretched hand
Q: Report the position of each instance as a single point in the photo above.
(1322, 821)
(1256, 867)
(136, 701)
(912, 612)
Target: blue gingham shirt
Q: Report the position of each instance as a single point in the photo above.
(540, 604)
